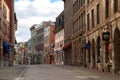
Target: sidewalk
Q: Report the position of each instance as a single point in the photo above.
(10, 72)
(92, 74)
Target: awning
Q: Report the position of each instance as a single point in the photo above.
(67, 46)
(6, 47)
(87, 46)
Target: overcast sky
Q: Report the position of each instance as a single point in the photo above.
(31, 12)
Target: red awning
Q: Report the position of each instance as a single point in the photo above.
(67, 46)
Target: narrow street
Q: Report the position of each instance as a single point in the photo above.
(60, 72)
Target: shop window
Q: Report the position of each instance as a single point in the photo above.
(99, 53)
(89, 57)
(109, 53)
(89, 54)
(106, 52)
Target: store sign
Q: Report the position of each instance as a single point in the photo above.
(106, 36)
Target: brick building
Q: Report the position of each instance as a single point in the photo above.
(4, 30)
(49, 41)
(42, 43)
(8, 25)
(13, 28)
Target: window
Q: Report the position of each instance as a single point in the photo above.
(107, 8)
(0, 4)
(87, 1)
(83, 1)
(4, 28)
(79, 3)
(59, 21)
(98, 15)
(82, 21)
(92, 16)
(115, 6)
(73, 27)
(83, 18)
(73, 8)
(0, 24)
(79, 23)
(4, 12)
(88, 23)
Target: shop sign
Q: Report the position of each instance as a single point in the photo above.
(106, 36)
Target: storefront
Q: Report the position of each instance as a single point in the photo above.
(117, 50)
(5, 58)
(67, 54)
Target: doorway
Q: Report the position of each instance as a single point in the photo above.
(117, 50)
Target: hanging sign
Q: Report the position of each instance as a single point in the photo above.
(106, 36)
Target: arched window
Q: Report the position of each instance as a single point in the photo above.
(89, 54)
(99, 54)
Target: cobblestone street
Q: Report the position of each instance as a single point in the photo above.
(53, 72)
(11, 72)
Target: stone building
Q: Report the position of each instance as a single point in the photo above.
(68, 12)
(102, 35)
(78, 39)
(59, 39)
(96, 33)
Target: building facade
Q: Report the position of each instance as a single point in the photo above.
(29, 50)
(8, 26)
(68, 12)
(78, 39)
(12, 29)
(96, 33)
(59, 39)
(33, 58)
(102, 35)
(4, 32)
(20, 53)
(40, 43)
(49, 41)
(42, 39)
